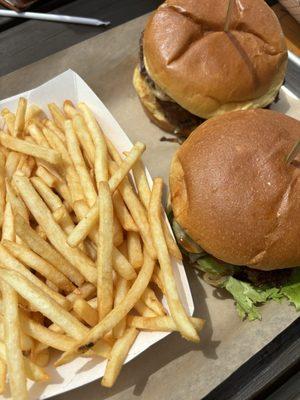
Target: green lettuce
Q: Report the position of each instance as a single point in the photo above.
(291, 290)
(213, 266)
(247, 296)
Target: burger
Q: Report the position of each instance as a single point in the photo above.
(235, 198)
(190, 69)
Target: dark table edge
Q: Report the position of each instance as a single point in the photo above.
(265, 371)
(279, 359)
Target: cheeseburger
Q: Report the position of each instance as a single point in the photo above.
(235, 196)
(190, 69)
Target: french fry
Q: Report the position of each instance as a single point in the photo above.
(10, 119)
(46, 176)
(142, 184)
(21, 162)
(69, 109)
(176, 308)
(65, 193)
(33, 371)
(3, 371)
(84, 138)
(86, 224)
(9, 262)
(28, 166)
(118, 172)
(85, 291)
(86, 312)
(24, 147)
(118, 232)
(84, 227)
(101, 169)
(12, 331)
(51, 125)
(42, 358)
(46, 251)
(134, 248)
(155, 279)
(159, 278)
(123, 249)
(72, 177)
(170, 241)
(122, 287)
(53, 231)
(122, 266)
(34, 261)
(62, 217)
(144, 310)
(115, 155)
(90, 248)
(52, 200)
(55, 204)
(93, 302)
(20, 117)
(45, 335)
(40, 231)
(57, 115)
(8, 227)
(37, 134)
(33, 112)
(123, 214)
(161, 323)
(116, 315)
(145, 194)
(118, 355)
(2, 188)
(52, 286)
(81, 209)
(17, 204)
(44, 303)
(105, 252)
(11, 164)
(79, 163)
(139, 215)
(150, 299)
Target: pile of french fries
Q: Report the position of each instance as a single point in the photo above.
(85, 252)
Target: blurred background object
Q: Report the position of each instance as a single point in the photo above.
(290, 27)
(18, 5)
(293, 7)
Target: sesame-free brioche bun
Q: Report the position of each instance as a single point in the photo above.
(208, 71)
(234, 193)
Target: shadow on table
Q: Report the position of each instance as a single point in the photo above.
(137, 371)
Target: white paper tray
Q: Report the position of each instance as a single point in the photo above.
(69, 85)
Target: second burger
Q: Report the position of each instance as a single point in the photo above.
(192, 68)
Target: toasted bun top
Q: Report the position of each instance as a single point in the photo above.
(233, 192)
(208, 71)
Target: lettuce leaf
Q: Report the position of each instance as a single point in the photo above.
(213, 266)
(247, 297)
(291, 290)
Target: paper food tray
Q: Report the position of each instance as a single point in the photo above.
(69, 85)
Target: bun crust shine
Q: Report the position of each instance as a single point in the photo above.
(233, 192)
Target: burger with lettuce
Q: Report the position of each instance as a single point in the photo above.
(235, 197)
